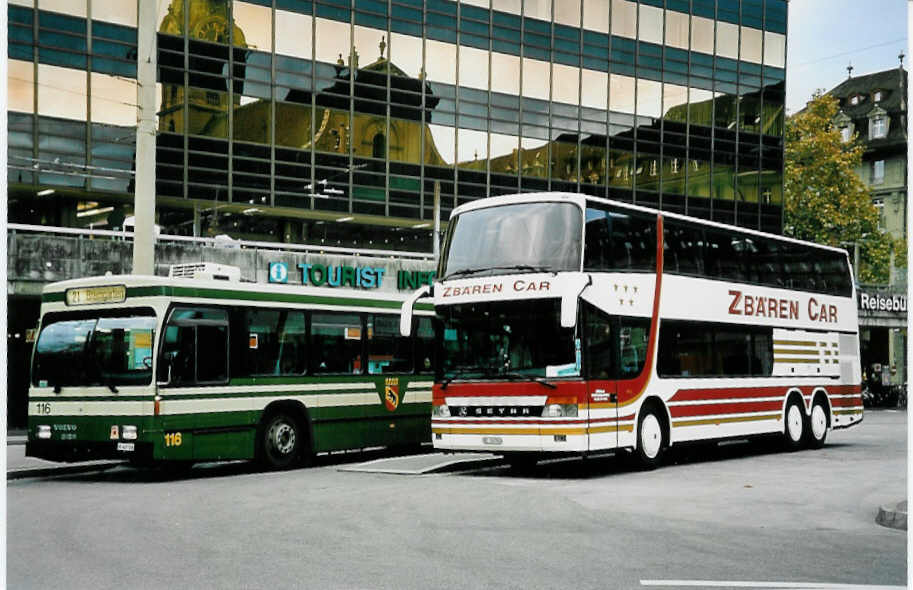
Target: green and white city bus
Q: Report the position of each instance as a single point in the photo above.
(165, 369)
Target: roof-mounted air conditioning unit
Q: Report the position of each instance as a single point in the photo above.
(205, 271)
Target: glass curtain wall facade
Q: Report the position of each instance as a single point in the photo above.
(354, 110)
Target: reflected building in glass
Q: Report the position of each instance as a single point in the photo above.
(300, 120)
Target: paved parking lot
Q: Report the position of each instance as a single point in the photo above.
(718, 515)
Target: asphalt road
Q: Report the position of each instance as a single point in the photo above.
(733, 513)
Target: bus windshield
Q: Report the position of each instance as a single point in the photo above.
(89, 351)
(506, 341)
(526, 237)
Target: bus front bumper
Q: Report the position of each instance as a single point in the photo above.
(73, 451)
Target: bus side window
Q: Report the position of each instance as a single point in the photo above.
(276, 342)
(388, 352)
(599, 362)
(633, 338)
(424, 345)
(336, 343)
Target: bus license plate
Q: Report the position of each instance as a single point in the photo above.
(492, 440)
(125, 446)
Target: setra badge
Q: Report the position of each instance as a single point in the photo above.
(391, 393)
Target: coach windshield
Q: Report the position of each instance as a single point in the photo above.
(524, 237)
(503, 340)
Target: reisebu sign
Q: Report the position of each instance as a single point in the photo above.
(881, 302)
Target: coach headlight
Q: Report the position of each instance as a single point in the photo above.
(43, 431)
(560, 411)
(442, 411)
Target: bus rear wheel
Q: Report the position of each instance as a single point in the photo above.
(794, 427)
(817, 430)
(280, 441)
(651, 440)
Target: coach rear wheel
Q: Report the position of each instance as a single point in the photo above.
(651, 440)
(795, 426)
(817, 431)
(281, 441)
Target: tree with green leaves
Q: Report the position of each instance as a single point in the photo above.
(825, 200)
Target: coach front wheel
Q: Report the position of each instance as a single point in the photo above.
(281, 441)
(794, 431)
(651, 440)
(817, 431)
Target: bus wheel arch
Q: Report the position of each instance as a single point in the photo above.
(819, 419)
(652, 436)
(795, 420)
(284, 435)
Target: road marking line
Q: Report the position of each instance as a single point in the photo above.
(747, 584)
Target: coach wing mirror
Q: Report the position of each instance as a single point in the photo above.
(405, 316)
(573, 289)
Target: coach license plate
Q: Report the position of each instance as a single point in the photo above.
(125, 446)
(492, 440)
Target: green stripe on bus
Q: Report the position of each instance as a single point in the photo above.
(270, 296)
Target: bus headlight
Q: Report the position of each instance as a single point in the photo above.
(43, 431)
(560, 411)
(442, 411)
(128, 432)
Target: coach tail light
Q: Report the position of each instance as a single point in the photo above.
(43, 431)
(560, 407)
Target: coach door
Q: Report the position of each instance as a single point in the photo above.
(600, 368)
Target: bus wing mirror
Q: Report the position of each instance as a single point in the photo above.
(571, 298)
(405, 317)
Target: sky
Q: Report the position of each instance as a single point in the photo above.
(827, 35)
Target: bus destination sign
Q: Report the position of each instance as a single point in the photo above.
(92, 295)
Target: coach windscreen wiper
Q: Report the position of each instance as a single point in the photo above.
(513, 375)
(520, 267)
(463, 370)
(526, 267)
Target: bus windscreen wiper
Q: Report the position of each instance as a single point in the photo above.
(463, 272)
(462, 370)
(526, 267)
(522, 377)
(522, 267)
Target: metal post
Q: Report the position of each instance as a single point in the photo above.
(144, 203)
(196, 221)
(856, 261)
(437, 220)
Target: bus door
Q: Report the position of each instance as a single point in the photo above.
(194, 356)
(600, 368)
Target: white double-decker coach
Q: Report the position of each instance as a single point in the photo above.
(573, 324)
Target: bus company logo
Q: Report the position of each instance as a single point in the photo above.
(391, 393)
(519, 286)
(780, 308)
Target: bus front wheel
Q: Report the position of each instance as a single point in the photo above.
(651, 440)
(281, 441)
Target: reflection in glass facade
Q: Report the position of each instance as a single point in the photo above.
(310, 111)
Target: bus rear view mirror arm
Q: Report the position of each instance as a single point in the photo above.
(569, 301)
(405, 317)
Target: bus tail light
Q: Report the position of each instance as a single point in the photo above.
(560, 407)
